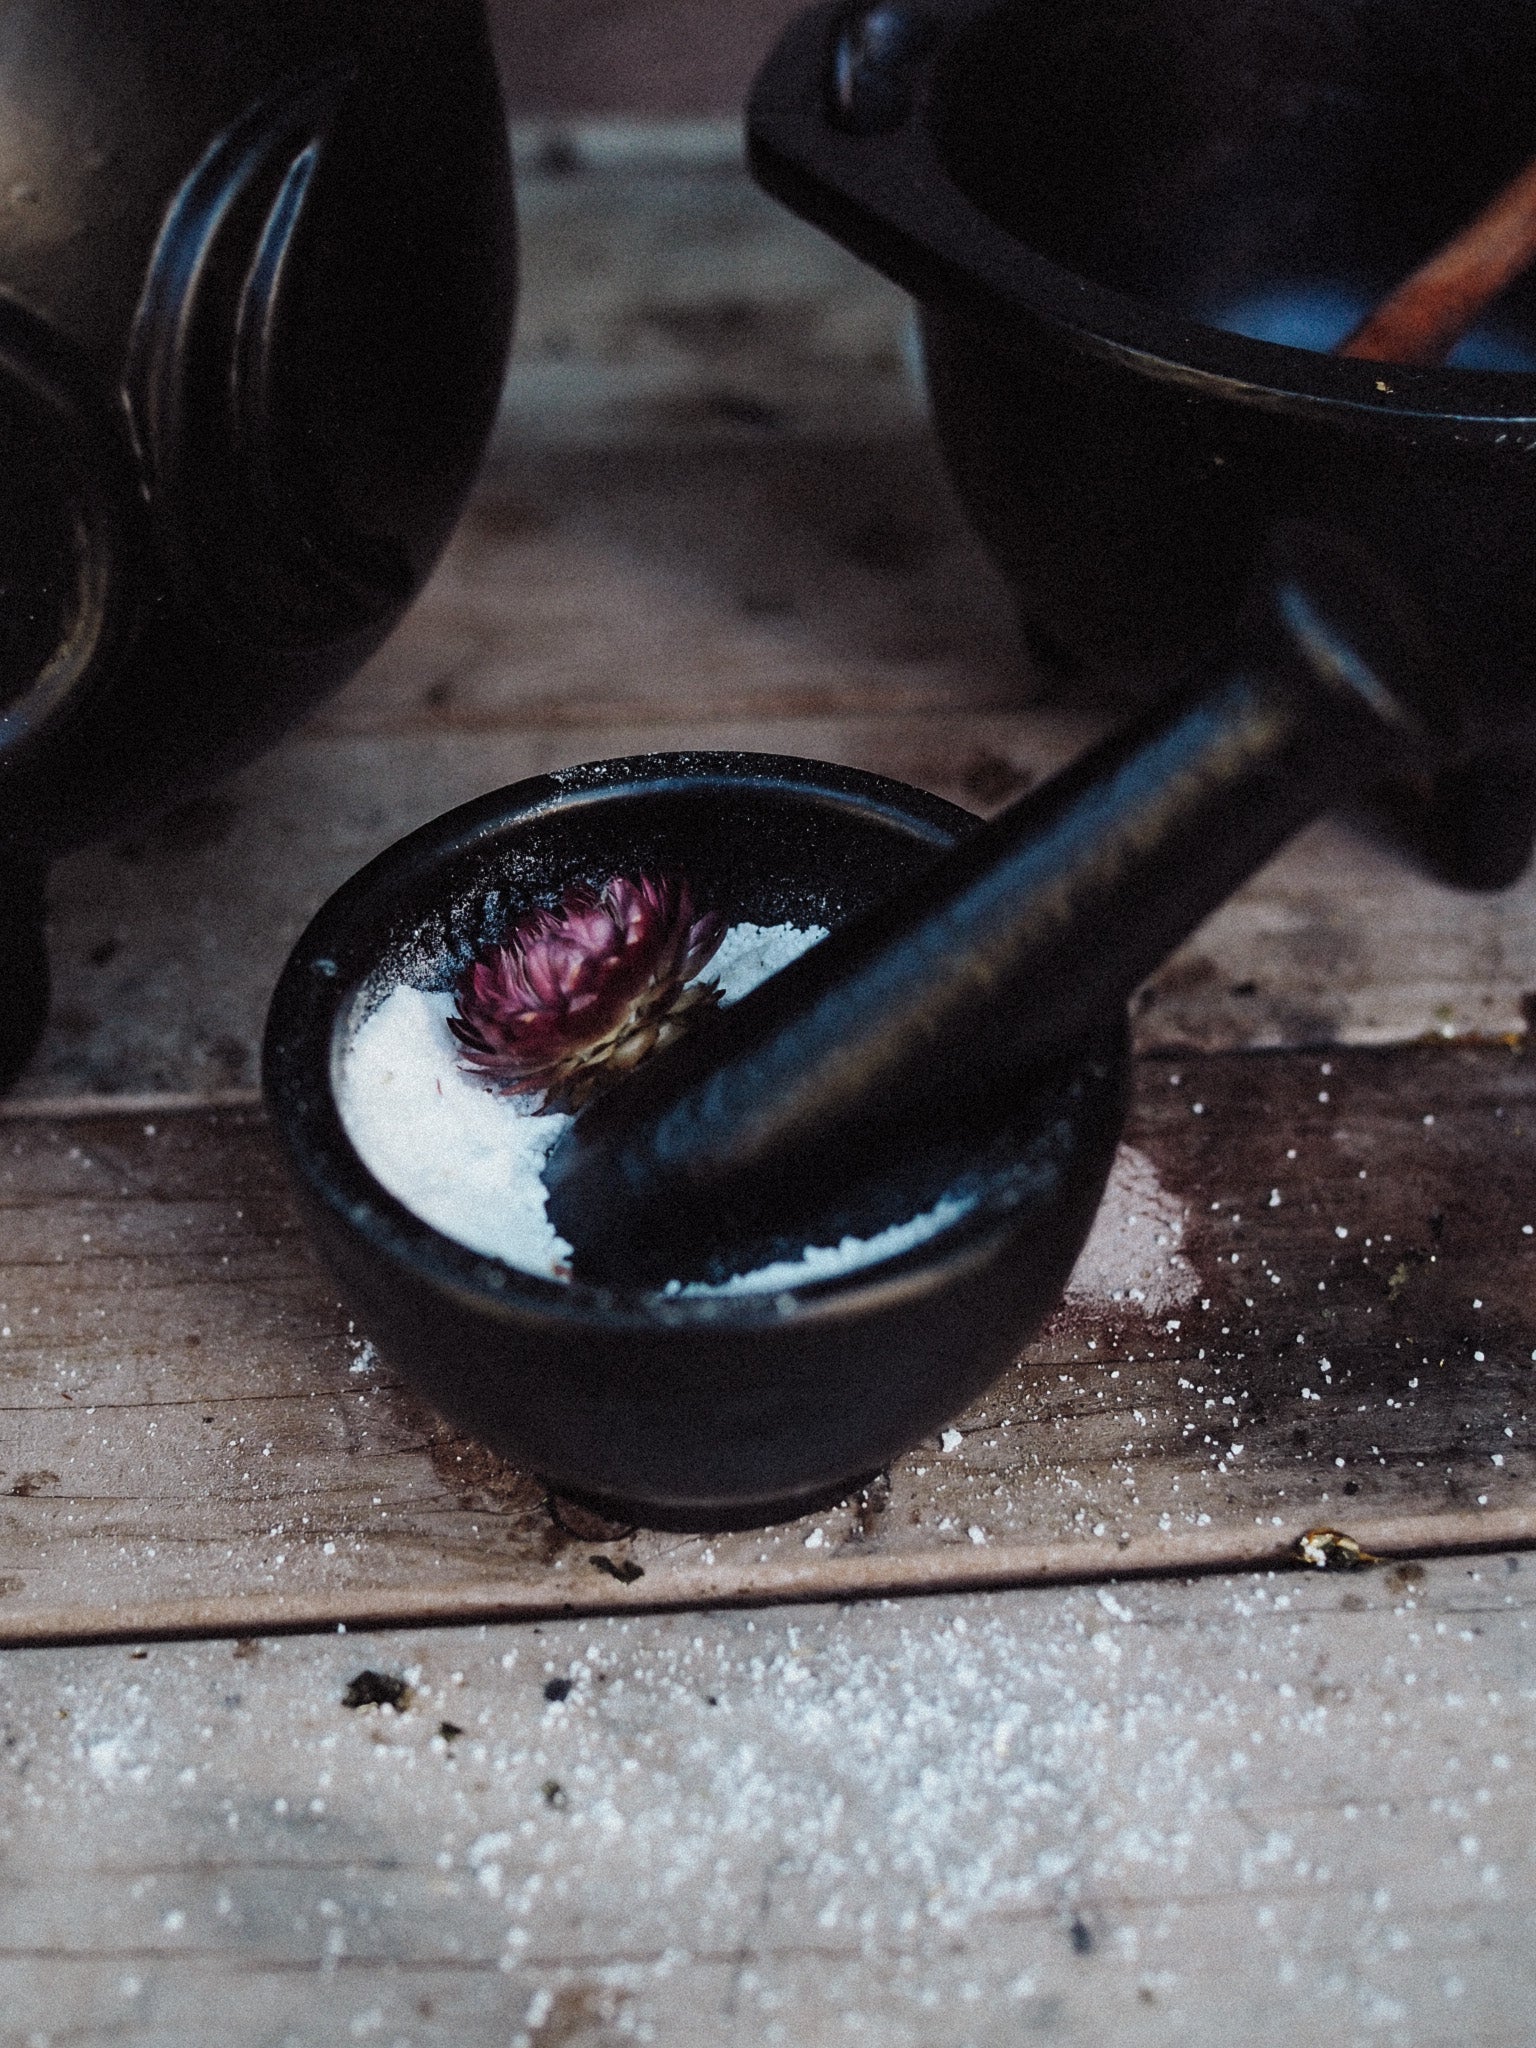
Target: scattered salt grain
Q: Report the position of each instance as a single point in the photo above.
(470, 1161)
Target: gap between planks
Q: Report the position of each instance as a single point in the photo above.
(839, 1579)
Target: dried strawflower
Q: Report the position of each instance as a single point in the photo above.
(582, 993)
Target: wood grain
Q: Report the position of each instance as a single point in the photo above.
(653, 57)
(818, 596)
(1280, 1810)
(665, 299)
(1310, 1301)
(713, 517)
(816, 600)
(1286, 1812)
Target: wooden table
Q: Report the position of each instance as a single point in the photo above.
(1047, 1735)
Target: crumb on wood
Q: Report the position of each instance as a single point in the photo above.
(377, 1689)
(1330, 1550)
(624, 1569)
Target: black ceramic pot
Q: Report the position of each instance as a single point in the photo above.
(700, 1411)
(1134, 227)
(256, 282)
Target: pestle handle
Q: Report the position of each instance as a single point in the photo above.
(1014, 946)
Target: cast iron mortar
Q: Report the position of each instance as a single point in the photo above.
(681, 1411)
(256, 278)
(962, 1030)
(1117, 217)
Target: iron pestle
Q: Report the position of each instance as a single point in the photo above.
(1009, 951)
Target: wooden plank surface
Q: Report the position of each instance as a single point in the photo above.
(665, 299)
(650, 57)
(815, 600)
(745, 580)
(1287, 1810)
(713, 517)
(1290, 1812)
(1309, 1301)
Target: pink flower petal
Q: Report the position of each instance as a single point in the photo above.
(571, 982)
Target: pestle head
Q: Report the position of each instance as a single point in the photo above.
(910, 1034)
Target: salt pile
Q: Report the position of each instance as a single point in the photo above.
(470, 1161)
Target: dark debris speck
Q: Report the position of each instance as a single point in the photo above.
(377, 1689)
(559, 1688)
(624, 1569)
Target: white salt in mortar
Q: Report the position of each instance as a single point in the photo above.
(470, 1161)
